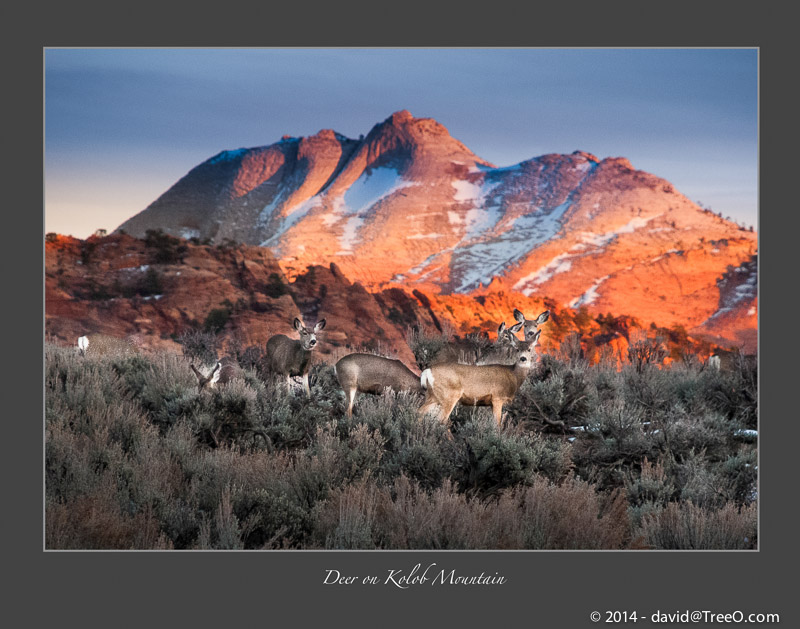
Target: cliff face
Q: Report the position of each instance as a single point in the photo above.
(158, 288)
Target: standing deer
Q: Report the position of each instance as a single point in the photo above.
(290, 358)
(223, 372)
(449, 384)
(105, 345)
(368, 373)
(530, 325)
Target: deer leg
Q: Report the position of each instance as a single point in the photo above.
(497, 410)
(428, 404)
(305, 384)
(447, 408)
(351, 398)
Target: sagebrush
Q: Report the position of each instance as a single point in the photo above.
(589, 457)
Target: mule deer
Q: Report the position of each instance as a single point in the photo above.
(728, 360)
(222, 373)
(289, 358)
(530, 325)
(368, 373)
(503, 351)
(478, 385)
(105, 345)
(471, 350)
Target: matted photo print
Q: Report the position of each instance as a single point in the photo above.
(401, 299)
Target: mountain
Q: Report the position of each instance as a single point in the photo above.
(409, 206)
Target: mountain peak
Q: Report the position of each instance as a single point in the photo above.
(400, 117)
(585, 155)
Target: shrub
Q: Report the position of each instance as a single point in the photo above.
(275, 286)
(136, 457)
(151, 283)
(558, 401)
(685, 526)
(199, 345)
(489, 460)
(165, 249)
(216, 320)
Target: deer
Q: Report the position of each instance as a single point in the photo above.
(452, 383)
(105, 345)
(728, 360)
(289, 358)
(530, 326)
(368, 373)
(476, 351)
(502, 352)
(223, 372)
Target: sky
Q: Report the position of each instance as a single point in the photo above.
(123, 125)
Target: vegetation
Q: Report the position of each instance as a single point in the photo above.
(164, 249)
(590, 456)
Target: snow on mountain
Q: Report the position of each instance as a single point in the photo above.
(410, 206)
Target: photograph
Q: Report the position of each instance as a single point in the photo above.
(401, 299)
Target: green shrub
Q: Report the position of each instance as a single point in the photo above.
(164, 249)
(216, 320)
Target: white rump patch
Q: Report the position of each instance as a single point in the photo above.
(426, 378)
(218, 368)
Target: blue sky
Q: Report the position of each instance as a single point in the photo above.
(123, 125)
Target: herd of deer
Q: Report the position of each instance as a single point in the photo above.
(452, 375)
(490, 379)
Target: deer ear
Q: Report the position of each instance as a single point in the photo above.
(298, 325)
(501, 329)
(537, 335)
(515, 328)
(519, 316)
(319, 325)
(543, 317)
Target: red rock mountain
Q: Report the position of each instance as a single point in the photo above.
(409, 207)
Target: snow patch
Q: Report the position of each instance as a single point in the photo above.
(560, 264)
(590, 295)
(454, 218)
(370, 188)
(226, 156)
(349, 233)
(479, 261)
(466, 191)
(293, 215)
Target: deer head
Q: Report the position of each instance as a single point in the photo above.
(308, 338)
(530, 325)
